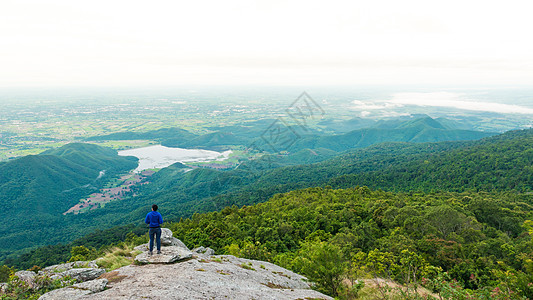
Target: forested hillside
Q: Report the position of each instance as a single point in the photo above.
(183, 193)
(36, 189)
(180, 193)
(461, 211)
(501, 163)
(414, 131)
(498, 163)
(480, 240)
(470, 245)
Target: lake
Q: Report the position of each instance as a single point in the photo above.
(157, 157)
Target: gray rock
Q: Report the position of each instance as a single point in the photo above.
(168, 255)
(202, 278)
(56, 277)
(174, 242)
(83, 274)
(205, 251)
(94, 286)
(56, 268)
(67, 293)
(166, 237)
(86, 264)
(3, 287)
(143, 247)
(166, 240)
(76, 291)
(28, 277)
(67, 266)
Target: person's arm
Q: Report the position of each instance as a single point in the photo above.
(160, 219)
(147, 219)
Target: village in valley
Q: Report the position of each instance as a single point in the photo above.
(122, 188)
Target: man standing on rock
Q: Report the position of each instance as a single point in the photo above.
(154, 221)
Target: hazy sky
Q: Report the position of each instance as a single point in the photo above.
(95, 42)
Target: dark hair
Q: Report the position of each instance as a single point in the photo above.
(154, 207)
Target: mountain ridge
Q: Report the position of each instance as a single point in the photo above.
(49, 183)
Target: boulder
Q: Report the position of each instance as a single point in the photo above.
(28, 277)
(83, 274)
(170, 254)
(205, 251)
(76, 291)
(3, 287)
(166, 237)
(67, 266)
(67, 293)
(220, 277)
(166, 240)
(79, 270)
(176, 242)
(94, 286)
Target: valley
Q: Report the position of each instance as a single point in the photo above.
(347, 150)
(35, 121)
(326, 179)
(114, 191)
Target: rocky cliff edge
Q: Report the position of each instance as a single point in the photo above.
(179, 273)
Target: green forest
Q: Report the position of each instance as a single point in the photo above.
(454, 218)
(35, 190)
(480, 241)
(469, 245)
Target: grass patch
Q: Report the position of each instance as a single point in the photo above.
(281, 274)
(117, 257)
(247, 266)
(222, 272)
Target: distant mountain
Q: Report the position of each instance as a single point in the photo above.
(35, 188)
(499, 163)
(342, 126)
(417, 131)
(273, 136)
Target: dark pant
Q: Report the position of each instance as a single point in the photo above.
(157, 233)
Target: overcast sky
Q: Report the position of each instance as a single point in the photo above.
(55, 42)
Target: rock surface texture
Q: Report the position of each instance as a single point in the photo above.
(207, 277)
(170, 254)
(172, 250)
(76, 291)
(80, 271)
(166, 240)
(201, 276)
(202, 250)
(28, 277)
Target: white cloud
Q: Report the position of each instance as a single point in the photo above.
(455, 100)
(377, 105)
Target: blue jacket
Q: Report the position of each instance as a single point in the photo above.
(153, 219)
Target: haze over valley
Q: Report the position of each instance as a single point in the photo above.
(295, 149)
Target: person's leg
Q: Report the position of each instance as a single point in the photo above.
(151, 233)
(158, 239)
